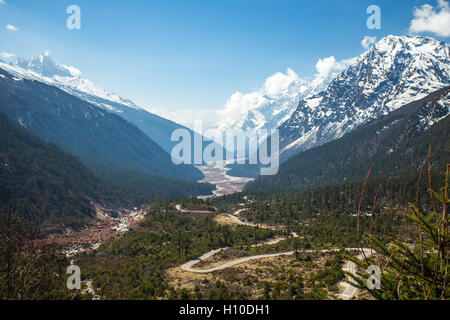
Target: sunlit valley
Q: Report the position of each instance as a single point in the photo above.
(95, 186)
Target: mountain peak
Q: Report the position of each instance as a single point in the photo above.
(410, 44)
(395, 71)
(44, 65)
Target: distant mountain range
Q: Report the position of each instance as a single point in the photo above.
(115, 138)
(267, 110)
(99, 138)
(43, 68)
(397, 70)
(121, 166)
(396, 144)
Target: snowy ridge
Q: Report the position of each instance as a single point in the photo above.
(43, 68)
(394, 72)
(270, 106)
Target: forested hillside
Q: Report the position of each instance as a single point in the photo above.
(39, 176)
(40, 179)
(396, 144)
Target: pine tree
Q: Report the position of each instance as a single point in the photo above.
(418, 269)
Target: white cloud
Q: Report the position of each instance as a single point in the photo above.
(428, 19)
(278, 86)
(11, 27)
(7, 55)
(279, 83)
(2, 2)
(367, 42)
(326, 68)
(240, 103)
(326, 65)
(280, 89)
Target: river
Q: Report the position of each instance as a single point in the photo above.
(225, 184)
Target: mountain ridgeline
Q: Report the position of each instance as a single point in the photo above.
(120, 166)
(395, 71)
(396, 144)
(99, 138)
(43, 68)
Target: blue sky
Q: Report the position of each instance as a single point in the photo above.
(195, 54)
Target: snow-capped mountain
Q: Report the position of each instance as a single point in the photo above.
(44, 69)
(395, 71)
(265, 109)
(270, 106)
(44, 65)
(395, 144)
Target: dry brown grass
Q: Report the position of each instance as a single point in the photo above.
(250, 277)
(225, 220)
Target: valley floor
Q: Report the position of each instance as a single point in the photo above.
(225, 184)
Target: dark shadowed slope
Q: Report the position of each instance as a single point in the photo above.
(97, 137)
(41, 179)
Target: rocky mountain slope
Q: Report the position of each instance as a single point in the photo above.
(43, 68)
(396, 144)
(395, 71)
(99, 138)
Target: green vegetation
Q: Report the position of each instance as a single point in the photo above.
(309, 276)
(30, 270)
(140, 188)
(134, 266)
(95, 136)
(196, 204)
(40, 177)
(414, 268)
(316, 195)
(396, 144)
(328, 215)
(331, 274)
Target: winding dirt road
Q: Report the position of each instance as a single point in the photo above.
(348, 293)
(179, 208)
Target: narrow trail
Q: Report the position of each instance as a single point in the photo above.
(179, 208)
(348, 293)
